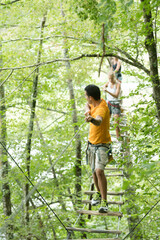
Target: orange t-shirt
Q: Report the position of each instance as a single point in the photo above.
(100, 134)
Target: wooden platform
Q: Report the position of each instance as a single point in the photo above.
(109, 213)
(109, 202)
(108, 193)
(93, 230)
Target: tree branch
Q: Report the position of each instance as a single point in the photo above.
(7, 78)
(130, 61)
(4, 4)
(53, 36)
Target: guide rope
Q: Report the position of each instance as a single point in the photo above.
(141, 219)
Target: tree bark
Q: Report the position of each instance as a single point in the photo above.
(31, 123)
(78, 172)
(6, 193)
(75, 121)
(150, 43)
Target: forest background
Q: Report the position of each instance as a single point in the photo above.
(50, 50)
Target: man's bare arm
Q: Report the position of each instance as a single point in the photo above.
(96, 121)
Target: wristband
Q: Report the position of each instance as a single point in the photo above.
(92, 120)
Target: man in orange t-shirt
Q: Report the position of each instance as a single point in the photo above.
(99, 144)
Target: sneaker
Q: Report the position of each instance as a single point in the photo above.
(96, 200)
(104, 207)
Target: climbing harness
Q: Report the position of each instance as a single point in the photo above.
(116, 104)
(93, 149)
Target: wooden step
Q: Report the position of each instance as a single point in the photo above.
(109, 213)
(114, 175)
(114, 169)
(93, 230)
(108, 193)
(109, 202)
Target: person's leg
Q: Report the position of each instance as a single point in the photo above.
(96, 181)
(116, 122)
(97, 197)
(102, 183)
(119, 79)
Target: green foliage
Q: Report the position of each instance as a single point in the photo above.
(82, 26)
(87, 9)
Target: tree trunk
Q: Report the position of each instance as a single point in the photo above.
(31, 122)
(6, 194)
(78, 172)
(150, 43)
(75, 121)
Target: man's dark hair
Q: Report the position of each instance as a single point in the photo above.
(93, 91)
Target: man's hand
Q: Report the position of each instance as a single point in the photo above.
(88, 117)
(87, 113)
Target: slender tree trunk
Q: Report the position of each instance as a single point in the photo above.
(6, 194)
(151, 47)
(31, 122)
(130, 203)
(78, 172)
(75, 121)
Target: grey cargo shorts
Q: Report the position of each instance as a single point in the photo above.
(98, 155)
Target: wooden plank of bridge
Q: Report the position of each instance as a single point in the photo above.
(113, 169)
(109, 202)
(108, 193)
(93, 230)
(109, 213)
(114, 175)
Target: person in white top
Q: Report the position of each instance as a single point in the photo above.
(113, 88)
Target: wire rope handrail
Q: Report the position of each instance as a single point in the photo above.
(141, 219)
